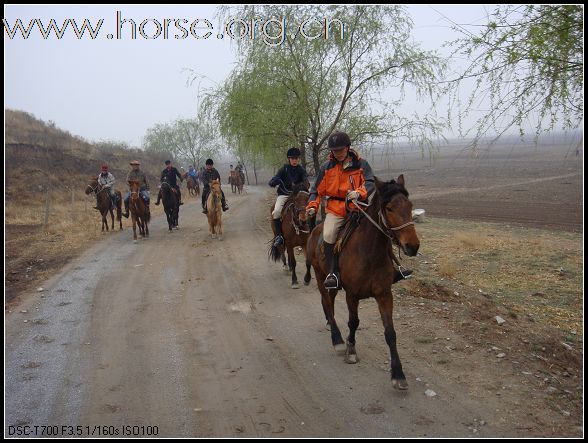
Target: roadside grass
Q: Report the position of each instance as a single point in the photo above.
(34, 250)
(535, 274)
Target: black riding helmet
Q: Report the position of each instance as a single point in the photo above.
(209, 162)
(293, 153)
(339, 140)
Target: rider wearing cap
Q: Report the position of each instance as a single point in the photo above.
(137, 175)
(208, 175)
(106, 180)
(290, 174)
(345, 176)
(169, 175)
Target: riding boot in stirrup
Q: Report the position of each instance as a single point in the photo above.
(332, 280)
(402, 274)
(279, 238)
(126, 213)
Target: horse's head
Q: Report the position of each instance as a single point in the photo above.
(92, 185)
(396, 214)
(299, 198)
(134, 187)
(215, 186)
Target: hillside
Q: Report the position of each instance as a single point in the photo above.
(48, 217)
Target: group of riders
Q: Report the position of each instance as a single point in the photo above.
(344, 177)
(169, 175)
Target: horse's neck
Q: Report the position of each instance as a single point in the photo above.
(370, 233)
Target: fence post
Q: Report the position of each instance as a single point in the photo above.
(46, 207)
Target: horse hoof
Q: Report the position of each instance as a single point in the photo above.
(295, 286)
(220, 237)
(134, 241)
(340, 349)
(400, 384)
(351, 359)
(306, 283)
(213, 236)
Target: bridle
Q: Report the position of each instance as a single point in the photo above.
(296, 215)
(382, 226)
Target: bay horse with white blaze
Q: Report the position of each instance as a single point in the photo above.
(105, 204)
(138, 209)
(295, 230)
(367, 265)
(214, 206)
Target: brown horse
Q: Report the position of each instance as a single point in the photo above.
(367, 264)
(295, 230)
(193, 186)
(139, 212)
(236, 182)
(214, 206)
(171, 205)
(105, 204)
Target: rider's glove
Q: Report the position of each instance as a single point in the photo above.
(310, 212)
(274, 182)
(353, 195)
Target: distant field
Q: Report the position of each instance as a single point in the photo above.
(518, 184)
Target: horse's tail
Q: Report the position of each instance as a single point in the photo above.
(274, 252)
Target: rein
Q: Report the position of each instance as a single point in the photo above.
(386, 227)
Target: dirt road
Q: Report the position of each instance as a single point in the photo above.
(205, 338)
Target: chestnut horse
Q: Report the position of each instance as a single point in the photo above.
(295, 230)
(138, 209)
(192, 185)
(104, 203)
(236, 182)
(213, 204)
(367, 266)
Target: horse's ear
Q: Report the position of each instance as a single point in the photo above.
(400, 180)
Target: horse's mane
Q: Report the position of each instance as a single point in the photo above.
(389, 189)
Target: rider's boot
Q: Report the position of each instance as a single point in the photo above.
(158, 198)
(279, 238)
(402, 274)
(333, 279)
(126, 213)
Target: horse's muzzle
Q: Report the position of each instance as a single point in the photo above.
(411, 250)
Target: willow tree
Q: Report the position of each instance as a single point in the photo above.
(526, 65)
(296, 86)
(190, 140)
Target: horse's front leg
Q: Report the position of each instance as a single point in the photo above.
(386, 306)
(352, 305)
(134, 218)
(292, 266)
(328, 302)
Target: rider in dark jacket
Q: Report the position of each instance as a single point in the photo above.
(169, 175)
(209, 174)
(290, 174)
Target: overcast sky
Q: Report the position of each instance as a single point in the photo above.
(115, 89)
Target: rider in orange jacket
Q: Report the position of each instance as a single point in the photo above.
(345, 176)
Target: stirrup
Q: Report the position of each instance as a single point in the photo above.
(278, 241)
(329, 284)
(205, 211)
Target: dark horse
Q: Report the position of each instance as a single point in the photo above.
(295, 230)
(367, 267)
(139, 212)
(105, 204)
(170, 204)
